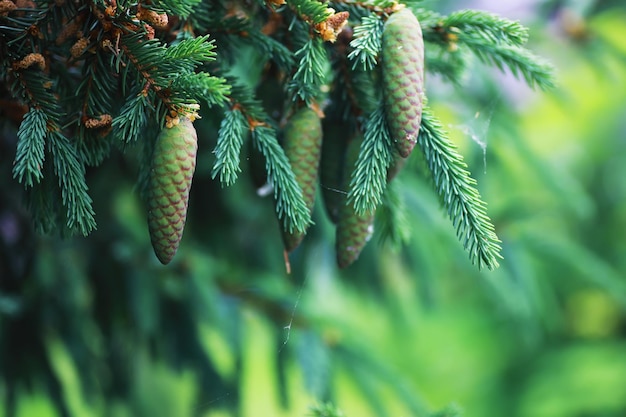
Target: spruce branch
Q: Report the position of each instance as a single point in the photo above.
(392, 219)
(28, 165)
(290, 205)
(364, 90)
(34, 88)
(191, 51)
(200, 86)
(243, 98)
(229, 141)
(490, 27)
(367, 42)
(458, 193)
(43, 202)
(279, 53)
(369, 178)
(494, 40)
(71, 175)
(181, 8)
(310, 11)
(129, 125)
(520, 61)
(311, 73)
(93, 145)
(98, 88)
(450, 65)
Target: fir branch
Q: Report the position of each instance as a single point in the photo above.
(71, 175)
(279, 53)
(34, 87)
(367, 42)
(129, 125)
(42, 202)
(364, 88)
(310, 11)
(169, 72)
(93, 145)
(490, 27)
(98, 87)
(494, 40)
(181, 8)
(535, 71)
(427, 18)
(200, 87)
(369, 178)
(290, 205)
(146, 57)
(450, 65)
(458, 193)
(362, 8)
(393, 223)
(244, 98)
(311, 73)
(192, 50)
(229, 141)
(28, 165)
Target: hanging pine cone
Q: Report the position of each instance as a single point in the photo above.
(173, 165)
(353, 230)
(403, 78)
(302, 145)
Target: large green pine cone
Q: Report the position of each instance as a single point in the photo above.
(403, 78)
(302, 145)
(173, 165)
(353, 230)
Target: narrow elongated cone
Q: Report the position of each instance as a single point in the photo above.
(302, 145)
(353, 230)
(403, 78)
(173, 165)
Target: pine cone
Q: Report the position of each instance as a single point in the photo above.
(403, 78)
(353, 230)
(173, 165)
(302, 145)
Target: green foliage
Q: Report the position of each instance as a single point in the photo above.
(369, 178)
(309, 77)
(311, 11)
(290, 206)
(142, 65)
(95, 326)
(367, 42)
(229, 142)
(459, 194)
(30, 148)
(494, 40)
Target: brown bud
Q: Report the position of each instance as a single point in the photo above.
(30, 60)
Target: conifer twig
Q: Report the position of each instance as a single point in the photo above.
(369, 178)
(290, 205)
(229, 141)
(367, 42)
(458, 193)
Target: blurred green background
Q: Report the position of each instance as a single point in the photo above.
(97, 327)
